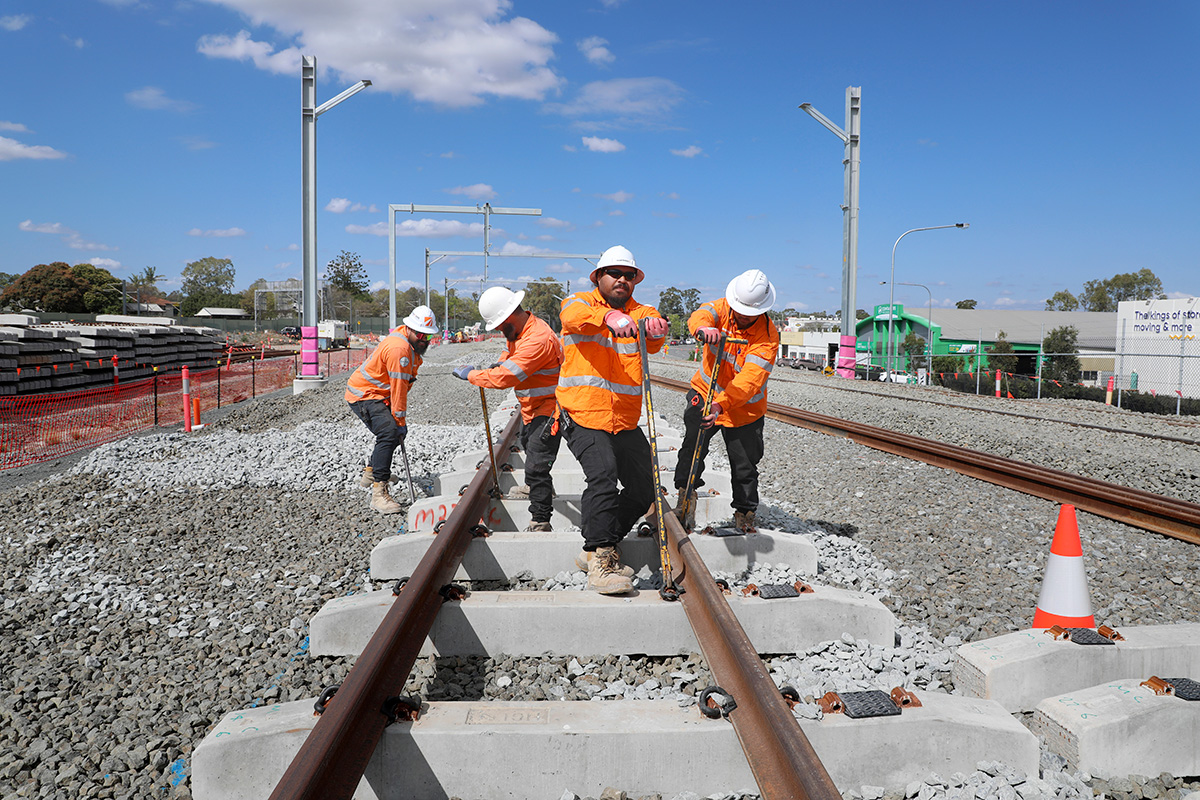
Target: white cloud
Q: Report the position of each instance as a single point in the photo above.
(340, 205)
(155, 99)
(424, 228)
(551, 222)
(1004, 301)
(476, 191)
(14, 127)
(595, 51)
(447, 52)
(447, 154)
(617, 197)
(623, 101)
(616, 213)
(105, 263)
(688, 152)
(514, 249)
(76, 243)
(15, 22)
(570, 148)
(11, 150)
(671, 195)
(78, 44)
(598, 145)
(222, 233)
(29, 226)
(292, 246)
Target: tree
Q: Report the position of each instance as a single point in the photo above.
(948, 363)
(913, 346)
(861, 314)
(965, 304)
(1061, 347)
(544, 299)
(46, 287)
(101, 289)
(1000, 355)
(1104, 295)
(1062, 300)
(677, 306)
(6, 279)
(345, 271)
(207, 282)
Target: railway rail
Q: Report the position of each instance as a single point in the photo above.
(336, 753)
(1169, 516)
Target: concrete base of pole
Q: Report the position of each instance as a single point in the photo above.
(311, 382)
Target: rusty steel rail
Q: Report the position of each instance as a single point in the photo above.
(1166, 515)
(783, 761)
(333, 758)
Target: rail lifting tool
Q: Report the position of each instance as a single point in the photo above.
(668, 590)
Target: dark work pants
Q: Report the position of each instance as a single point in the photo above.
(744, 445)
(539, 460)
(378, 418)
(606, 458)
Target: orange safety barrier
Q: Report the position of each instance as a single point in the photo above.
(41, 427)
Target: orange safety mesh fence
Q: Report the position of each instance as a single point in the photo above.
(42, 427)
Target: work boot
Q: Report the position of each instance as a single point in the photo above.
(583, 560)
(540, 527)
(744, 521)
(368, 477)
(381, 499)
(604, 572)
(685, 509)
(519, 492)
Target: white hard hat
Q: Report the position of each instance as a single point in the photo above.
(751, 293)
(617, 256)
(496, 304)
(421, 320)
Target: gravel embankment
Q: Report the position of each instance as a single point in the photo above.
(154, 584)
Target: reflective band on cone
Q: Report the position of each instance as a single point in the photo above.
(1064, 599)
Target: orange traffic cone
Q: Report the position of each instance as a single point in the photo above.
(1064, 599)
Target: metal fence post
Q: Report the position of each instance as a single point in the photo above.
(218, 383)
(978, 360)
(1041, 355)
(1179, 392)
(156, 397)
(252, 384)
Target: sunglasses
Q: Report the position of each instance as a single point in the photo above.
(617, 274)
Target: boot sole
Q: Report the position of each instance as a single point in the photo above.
(582, 565)
(613, 590)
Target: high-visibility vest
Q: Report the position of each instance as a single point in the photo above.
(600, 385)
(745, 368)
(530, 367)
(387, 374)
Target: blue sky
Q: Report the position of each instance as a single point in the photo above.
(157, 132)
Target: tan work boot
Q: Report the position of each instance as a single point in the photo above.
(604, 572)
(744, 521)
(685, 509)
(368, 477)
(519, 492)
(539, 527)
(584, 560)
(381, 499)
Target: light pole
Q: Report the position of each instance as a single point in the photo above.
(309, 111)
(892, 286)
(929, 317)
(847, 339)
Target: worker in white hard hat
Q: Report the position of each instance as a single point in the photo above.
(600, 397)
(378, 395)
(740, 399)
(529, 367)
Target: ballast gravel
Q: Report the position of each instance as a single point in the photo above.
(156, 583)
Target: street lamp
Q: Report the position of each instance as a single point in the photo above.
(892, 285)
(309, 111)
(929, 317)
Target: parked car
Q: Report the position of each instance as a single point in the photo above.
(805, 363)
(290, 331)
(785, 362)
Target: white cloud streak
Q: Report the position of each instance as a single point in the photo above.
(476, 191)
(598, 145)
(446, 52)
(617, 197)
(12, 150)
(425, 228)
(155, 99)
(15, 22)
(221, 233)
(687, 152)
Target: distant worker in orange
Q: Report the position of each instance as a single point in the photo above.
(741, 393)
(600, 394)
(531, 368)
(378, 395)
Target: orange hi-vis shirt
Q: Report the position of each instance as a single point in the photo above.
(387, 374)
(745, 368)
(601, 381)
(532, 366)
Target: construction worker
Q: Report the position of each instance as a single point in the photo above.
(600, 397)
(378, 395)
(741, 393)
(531, 367)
